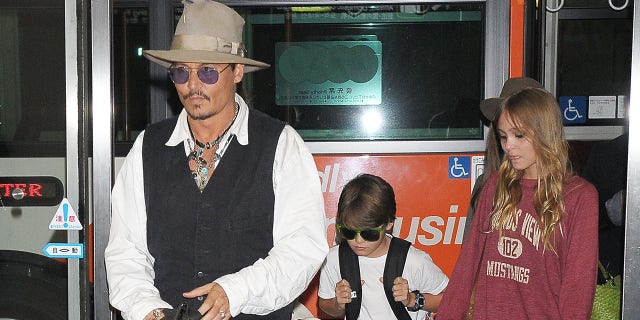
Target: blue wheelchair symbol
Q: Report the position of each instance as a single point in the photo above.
(574, 109)
(459, 167)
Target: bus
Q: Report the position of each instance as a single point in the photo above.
(389, 87)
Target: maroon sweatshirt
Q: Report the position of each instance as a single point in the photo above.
(518, 278)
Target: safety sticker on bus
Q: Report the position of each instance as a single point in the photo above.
(65, 218)
(459, 167)
(63, 250)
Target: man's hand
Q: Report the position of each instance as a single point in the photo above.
(216, 305)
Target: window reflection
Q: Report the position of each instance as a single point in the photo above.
(420, 68)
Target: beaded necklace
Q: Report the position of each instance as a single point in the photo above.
(200, 167)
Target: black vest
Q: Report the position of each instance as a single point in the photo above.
(196, 237)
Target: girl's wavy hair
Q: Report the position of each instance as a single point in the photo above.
(536, 114)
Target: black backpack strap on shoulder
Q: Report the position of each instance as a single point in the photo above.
(393, 268)
(350, 270)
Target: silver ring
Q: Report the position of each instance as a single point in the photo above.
(223, 314)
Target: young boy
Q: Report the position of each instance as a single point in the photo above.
(365, 217)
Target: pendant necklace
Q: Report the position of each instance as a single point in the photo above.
(201, 167)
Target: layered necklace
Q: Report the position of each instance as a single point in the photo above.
(201, 168)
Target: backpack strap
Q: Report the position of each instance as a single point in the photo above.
(394, 265)
(350, 270)
(393, 268)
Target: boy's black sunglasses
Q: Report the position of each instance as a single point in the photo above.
(370, 235)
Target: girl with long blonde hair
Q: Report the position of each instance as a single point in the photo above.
(531, 252)
(543, 130)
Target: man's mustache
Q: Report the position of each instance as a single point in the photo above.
(197, 93)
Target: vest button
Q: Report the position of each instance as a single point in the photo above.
(200, 298)
(200, 274)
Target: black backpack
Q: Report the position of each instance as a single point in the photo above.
(350, 270)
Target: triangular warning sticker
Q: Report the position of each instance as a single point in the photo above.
(65, 218)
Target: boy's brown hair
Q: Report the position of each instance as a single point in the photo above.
(366, 201)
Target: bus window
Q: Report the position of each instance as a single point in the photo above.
(32, 69)
(375, 72)
(593, 34)
(130, 72)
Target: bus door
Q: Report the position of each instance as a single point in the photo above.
(43, 221)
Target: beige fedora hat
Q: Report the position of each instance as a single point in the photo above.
(208, 32)
(491, 107)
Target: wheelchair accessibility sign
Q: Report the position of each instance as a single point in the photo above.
(573, 108)
(459, 167)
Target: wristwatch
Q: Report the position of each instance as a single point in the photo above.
(420, 300)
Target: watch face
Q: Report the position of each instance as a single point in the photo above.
(419, 303)
(419, 300)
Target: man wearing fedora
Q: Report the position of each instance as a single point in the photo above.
(220, 208)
